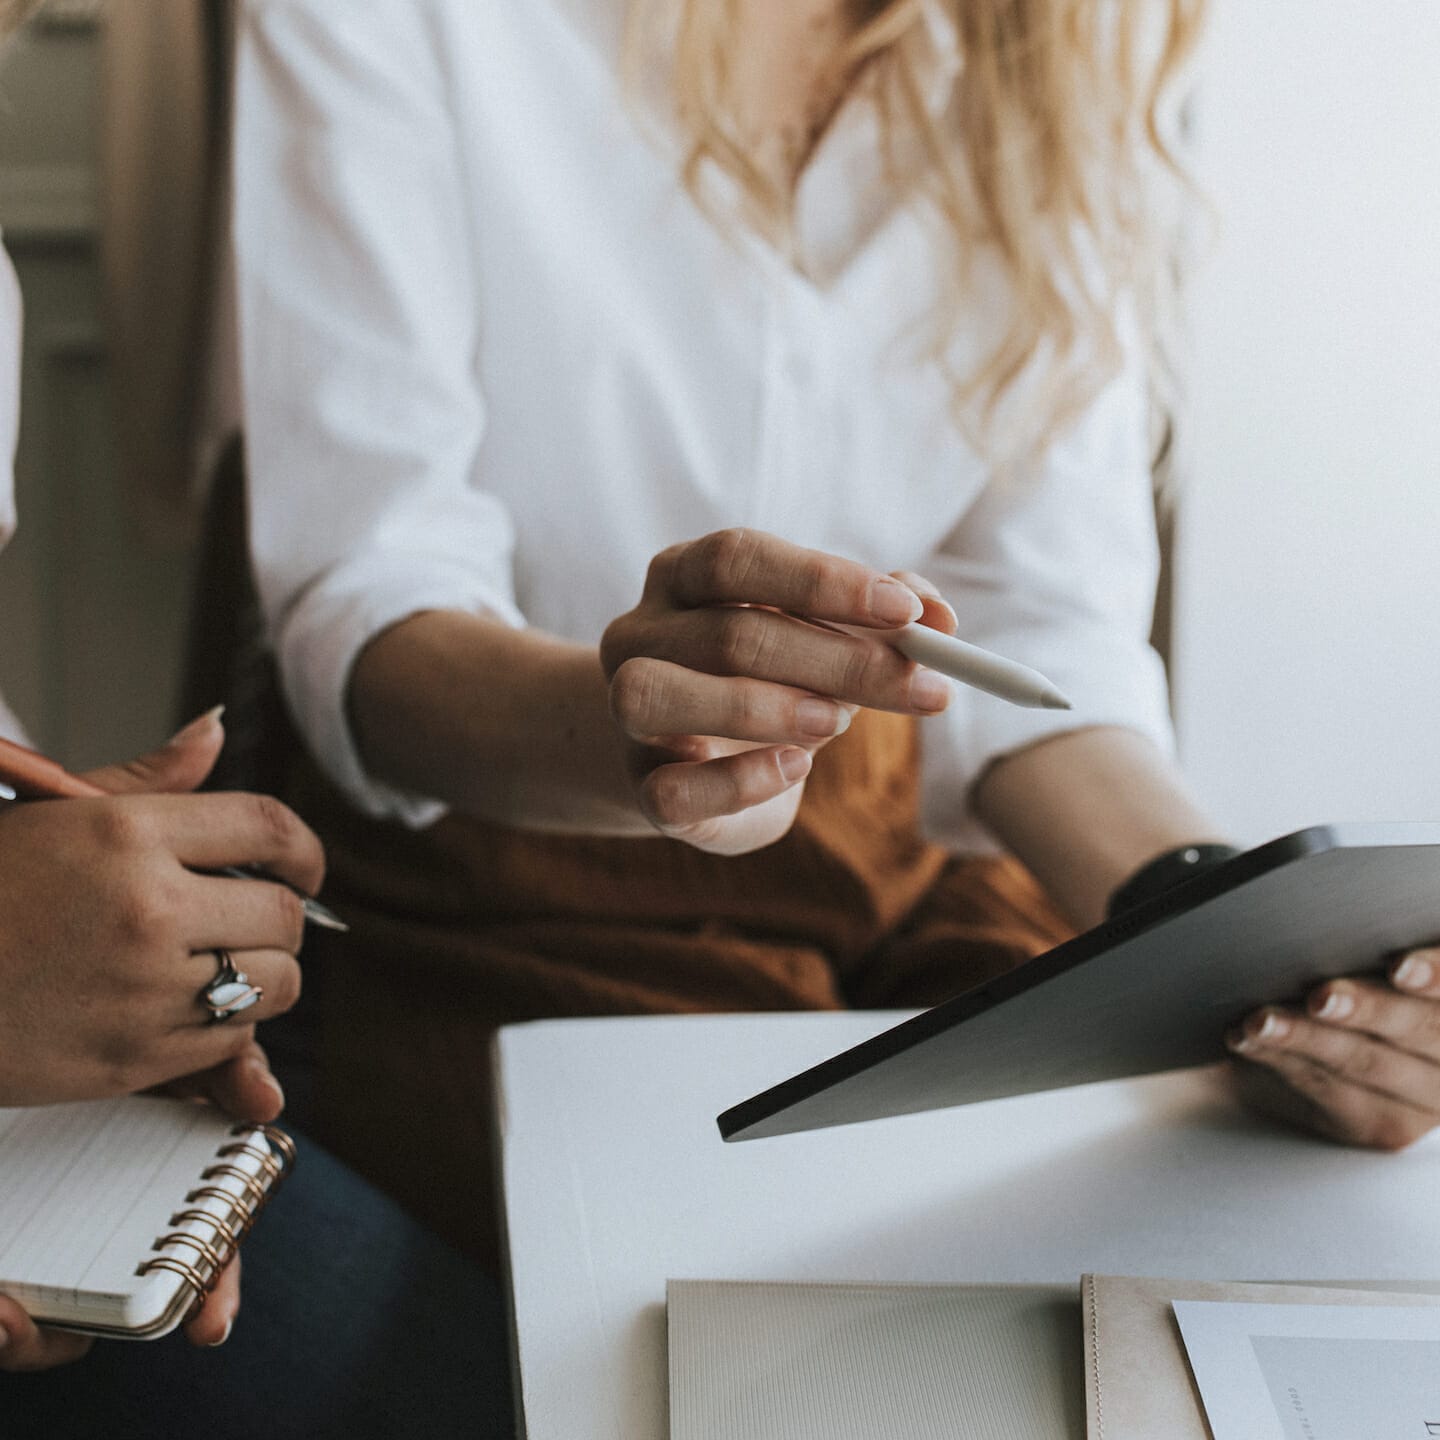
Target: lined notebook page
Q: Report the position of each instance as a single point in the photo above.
(86, 1189)
(759, 1361)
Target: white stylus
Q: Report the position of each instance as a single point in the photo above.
(983, 669)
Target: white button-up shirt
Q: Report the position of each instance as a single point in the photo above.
(495, 358)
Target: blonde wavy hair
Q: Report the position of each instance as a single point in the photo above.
(1052, 158)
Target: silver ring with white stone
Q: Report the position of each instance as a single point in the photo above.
(229, 992)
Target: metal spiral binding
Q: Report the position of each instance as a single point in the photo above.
(222, 1228)
(280, 1141)
(240, 1212)
(206, 1252)
(197, 1283)
(272, 1167)
(241, 1209)
(253, 1187)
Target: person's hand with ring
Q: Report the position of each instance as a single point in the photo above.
(730, 674)
(107, 951)
(110, 930)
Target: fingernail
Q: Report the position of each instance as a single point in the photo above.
(199, 723)
(822, 718)
(892, 603)
(1338, 1004)
(1262, 1028)
(229, 1326)
(1273, 1026)
(275, 1085)
(1414, 972)
(1268, 1027)
(929, 692)
(1237, 1039)
(794, 764)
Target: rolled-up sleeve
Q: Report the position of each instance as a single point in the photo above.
(1056, 570)
(359, 335)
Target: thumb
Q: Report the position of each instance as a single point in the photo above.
(180, 764)
(938, 613)
(242, 1086)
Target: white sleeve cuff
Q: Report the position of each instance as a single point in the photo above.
(319, 642)
(1116, 684)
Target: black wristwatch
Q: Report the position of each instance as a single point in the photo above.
(1164, 872)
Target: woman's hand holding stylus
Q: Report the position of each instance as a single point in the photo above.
(728, 676)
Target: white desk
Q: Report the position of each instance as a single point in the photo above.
(615, 1178)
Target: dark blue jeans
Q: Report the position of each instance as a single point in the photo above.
(354, 1323)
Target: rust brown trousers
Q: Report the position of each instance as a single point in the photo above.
(467, 926)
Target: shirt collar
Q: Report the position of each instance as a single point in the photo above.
(846, 193)
(852, 187)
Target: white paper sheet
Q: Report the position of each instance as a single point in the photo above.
(1315, 1372)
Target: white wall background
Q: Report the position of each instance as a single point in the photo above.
(1308, 602)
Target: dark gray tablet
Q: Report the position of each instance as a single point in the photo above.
(1153, 989)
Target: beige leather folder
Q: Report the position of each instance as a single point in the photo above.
(758, 1361)
(1138, 1380)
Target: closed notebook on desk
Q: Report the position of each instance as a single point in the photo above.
(762, 1361)
(116, 1215)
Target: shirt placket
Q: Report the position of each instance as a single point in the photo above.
(770, 448)
(798, 500)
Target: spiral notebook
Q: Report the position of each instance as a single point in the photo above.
(117, 1215)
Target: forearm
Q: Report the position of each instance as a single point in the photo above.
(510, 725)
(1085, 810)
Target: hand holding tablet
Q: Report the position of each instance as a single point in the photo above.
(1158, 987)
(1357, 1059)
